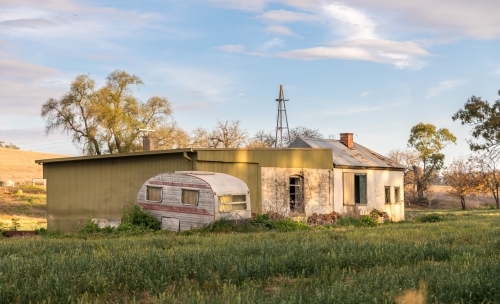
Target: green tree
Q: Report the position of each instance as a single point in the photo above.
(105, 120)
(428, 142)
(485, 120)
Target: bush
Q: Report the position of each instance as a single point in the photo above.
(90, 227)
(428, 218)
(135, 216)
(363, 221)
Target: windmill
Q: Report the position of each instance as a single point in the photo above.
(279, 120)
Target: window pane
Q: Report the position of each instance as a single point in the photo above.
(189, 197)
(230, 207)
(396, 194)
(153, 194)
(387, 195)
(362, 189)
(232, 198)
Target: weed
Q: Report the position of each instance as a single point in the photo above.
(428, 218)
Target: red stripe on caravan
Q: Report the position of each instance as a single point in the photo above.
(201, 186)
(178, 209)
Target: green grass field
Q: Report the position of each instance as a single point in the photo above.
(456, 260)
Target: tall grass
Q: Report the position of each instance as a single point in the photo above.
(458, 258)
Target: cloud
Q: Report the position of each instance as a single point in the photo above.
(24, 71)
(280, 30)
(364, 94)
(400, 54)
(231, 48)
(283, 16)
(273, 43)
(349, 22)
(497, 72)
(442, 87)
(27, 23)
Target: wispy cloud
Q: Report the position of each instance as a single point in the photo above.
(280, 30)
(284, 16)
(364, 94)
(231, 48)
(442, 87)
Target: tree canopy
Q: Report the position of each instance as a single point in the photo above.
(428, 142)
(105, 120)
(485, 120)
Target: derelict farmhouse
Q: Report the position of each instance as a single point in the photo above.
(187, 187)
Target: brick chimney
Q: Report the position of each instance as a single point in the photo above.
(148, 143)
(346, 139)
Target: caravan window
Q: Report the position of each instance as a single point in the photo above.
(153, 194)
(190, 197)
(229, 203)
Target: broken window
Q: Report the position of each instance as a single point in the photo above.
(354, 189)
(153, 193)
(190, 197)
(296, 194)
(229, 203)
(396, 195)
(387, 195)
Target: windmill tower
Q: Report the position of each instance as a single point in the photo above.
(279, 120)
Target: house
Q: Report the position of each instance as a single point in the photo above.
(312, 176)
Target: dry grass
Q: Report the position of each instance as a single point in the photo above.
(20, 166)
(443, 200)
(28, 208)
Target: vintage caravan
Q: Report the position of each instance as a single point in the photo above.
(188, 199)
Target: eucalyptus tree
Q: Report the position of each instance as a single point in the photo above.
(105, 120)
(428, 142)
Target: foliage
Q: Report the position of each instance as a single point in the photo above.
(428, 142)
(15, 224)
(457, 258)
(428, 218)
(485, 121)
(105, 120)
(262, 140)
(90, 227)
(489, 167)
(463, 178)
(287, 224)
(408, 159)
(134, 216)
(8, 146)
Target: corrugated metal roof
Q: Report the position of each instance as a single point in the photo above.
(221, 183)
(344, 157)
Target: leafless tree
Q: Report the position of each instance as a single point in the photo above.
(409, 159)
(227, 135)
(464, 178)
(489, 166)
(261, 140)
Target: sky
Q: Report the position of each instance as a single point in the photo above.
(373, 68)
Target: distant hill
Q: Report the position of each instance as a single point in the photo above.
(20, 166)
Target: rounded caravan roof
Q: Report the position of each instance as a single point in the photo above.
(221, 183)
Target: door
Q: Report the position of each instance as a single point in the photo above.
(170, 223)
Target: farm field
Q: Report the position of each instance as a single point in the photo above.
(456, 260)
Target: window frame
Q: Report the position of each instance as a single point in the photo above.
(192, 190)
(232, 203)
(154, 187)
(352, 194)
(387, 195)
(397, 197)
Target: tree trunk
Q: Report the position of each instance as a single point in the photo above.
(462, 201)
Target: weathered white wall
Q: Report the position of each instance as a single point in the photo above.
(376, 181)
(318, 190)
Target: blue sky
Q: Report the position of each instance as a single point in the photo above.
(374, 68)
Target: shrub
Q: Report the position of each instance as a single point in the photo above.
(350, 221)
(368, 221)
(429, 218)
(90, 227)
(135, 216)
